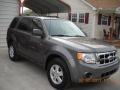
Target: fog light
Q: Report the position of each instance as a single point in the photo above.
(88, 75)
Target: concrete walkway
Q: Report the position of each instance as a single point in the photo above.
(25, 75)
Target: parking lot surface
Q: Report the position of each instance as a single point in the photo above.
(25, 75)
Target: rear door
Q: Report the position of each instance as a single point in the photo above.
(12, 29)
(23, 35)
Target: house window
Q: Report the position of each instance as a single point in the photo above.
(104, 20)
(74, 17)
(81, 18)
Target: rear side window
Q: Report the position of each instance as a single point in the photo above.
(25, 25)
(14, 23)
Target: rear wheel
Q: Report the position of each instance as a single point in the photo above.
(58, 74)
(12, 53)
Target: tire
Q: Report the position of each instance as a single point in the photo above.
(58, 74)
(12, 53)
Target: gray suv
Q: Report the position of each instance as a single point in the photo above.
(62, 49)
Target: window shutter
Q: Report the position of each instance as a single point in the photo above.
(109, 20)
(86, 18)
(69, 16)
(99, 19)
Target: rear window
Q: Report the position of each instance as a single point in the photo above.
(25, 25)
(14, 23)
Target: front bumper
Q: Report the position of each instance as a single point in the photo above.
(94, 71)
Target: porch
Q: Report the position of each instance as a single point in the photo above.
(113, 34)
(111, 17)
(109, 21)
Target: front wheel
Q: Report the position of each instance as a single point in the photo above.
(58, 74)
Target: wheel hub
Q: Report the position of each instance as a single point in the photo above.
(11, 51)
(56, 74)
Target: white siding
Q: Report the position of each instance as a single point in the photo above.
(77, 6)
(8, 10)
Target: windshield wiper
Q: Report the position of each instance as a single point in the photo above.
(61, 35)
(78, 36)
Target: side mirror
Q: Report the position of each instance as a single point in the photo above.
(37, 32)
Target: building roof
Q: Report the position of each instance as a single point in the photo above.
(47, 6)
(105, 4)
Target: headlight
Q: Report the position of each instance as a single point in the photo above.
(86, 57)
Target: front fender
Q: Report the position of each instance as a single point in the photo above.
(67, 57)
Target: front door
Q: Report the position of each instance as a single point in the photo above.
(36, 44)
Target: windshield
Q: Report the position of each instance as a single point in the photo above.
(58, 27)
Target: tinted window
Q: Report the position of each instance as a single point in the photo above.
(37, 23)
(25, 25)
(14, 23)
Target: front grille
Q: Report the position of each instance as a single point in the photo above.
(105, 58)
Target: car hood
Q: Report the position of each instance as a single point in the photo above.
(86, 44)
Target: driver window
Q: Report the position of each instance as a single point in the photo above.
(37, 24)
(34, 25)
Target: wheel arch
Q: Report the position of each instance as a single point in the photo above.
(9, 41)
(51, 57)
